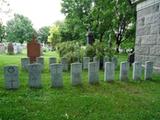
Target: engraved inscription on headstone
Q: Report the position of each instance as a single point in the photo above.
(11, 77)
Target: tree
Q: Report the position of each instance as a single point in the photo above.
(54, 35)
(2, 32)
(43, 34)
(19, 29)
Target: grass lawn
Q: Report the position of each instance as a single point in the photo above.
(105, 101)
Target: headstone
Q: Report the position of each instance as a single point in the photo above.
(137, 71)
(115, 62)
(86, 61)
(10, 49)
(64, 63)
(105, 59)
(52, 60)
(25, 63)
(2, 48)
(56, 75)
(34, 75)
(11, 77)
(95, 59)
(33, 50)
(76, 71)
(124, 69)
(93, 73)
(40, 60)
(148, 70)
(18, 48)
(109, 72)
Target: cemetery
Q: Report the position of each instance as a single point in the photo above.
(77, 69)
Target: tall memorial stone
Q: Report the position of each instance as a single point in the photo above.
(11, 77)
(86, 61)
(56, 75)
(34, 75)
(33, 50)
(76, 71)
(109, 72)
(147, 46)
(148, 70)
(93, 76)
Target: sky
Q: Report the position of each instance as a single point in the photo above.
(40, 12)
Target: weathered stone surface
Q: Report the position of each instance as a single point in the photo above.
(56, 75)
(11, 77)
(142, 50)
(96, 59)
(124, 68)
(155, 50)
(137, 71)
(64, 62)
(52, 60)
(148, 70)
(34, 75)
(24, 63)
(40, 60)
(146, 30)
(76, 71)
(114, 60)
(86, 61)
(109, 72)
(93, 76)
(149, 39)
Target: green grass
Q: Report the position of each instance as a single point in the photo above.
(105, 101)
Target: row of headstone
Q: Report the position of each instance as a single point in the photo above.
(11, 74)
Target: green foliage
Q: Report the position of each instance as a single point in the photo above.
(19, 29)
(54, 35)
(43, 34)
(70, 50)
(2, 32)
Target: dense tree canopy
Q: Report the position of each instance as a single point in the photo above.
(19, 29)
(43, 34)
(2, 32)
(110, 20)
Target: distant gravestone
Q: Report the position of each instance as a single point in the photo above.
(93, 73)
(33, 50)
(86, 61)
(11, 77)
(52, 60)
(56, 75)
(109, 72)
(40, 60)
(2, 48)
(137, 71)
(64, 62)
(34, 75)
(97, 60)
(76, 71)
(24, 63)
(10, 49)
(148, 70)
(124, 69)
(115, 62)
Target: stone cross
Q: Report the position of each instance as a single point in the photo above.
(137, 71)
(56, 75)
(24, 63)
(11, 77)
(34, 75)
(148, 70)
(109, 73)
(124, 69)
(86, 61)
(93, 76)
(76, 71)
